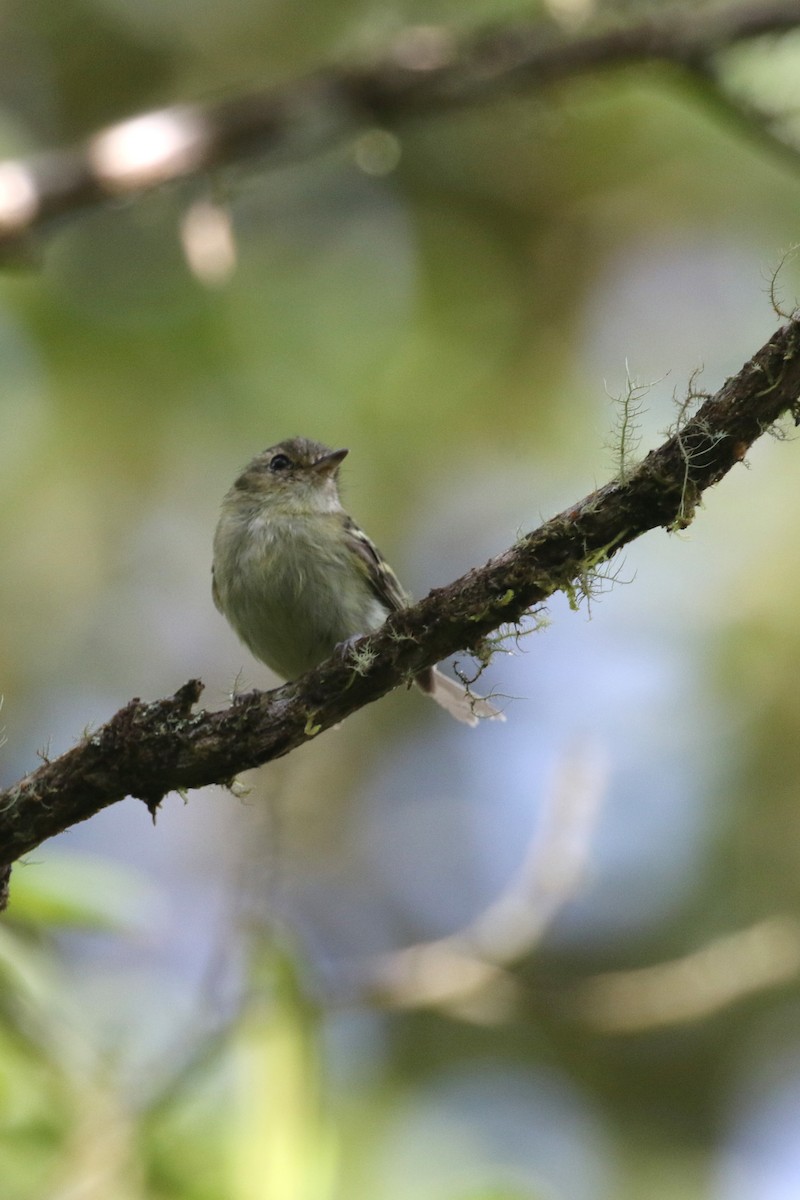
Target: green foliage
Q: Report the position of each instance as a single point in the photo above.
(450, 321)
(78, 890)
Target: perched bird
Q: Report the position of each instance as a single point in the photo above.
(295, 576)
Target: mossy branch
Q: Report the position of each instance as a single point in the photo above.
(149, 749)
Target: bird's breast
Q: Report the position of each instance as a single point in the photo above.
(292, 589)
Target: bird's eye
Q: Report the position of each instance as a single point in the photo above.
(279, 462)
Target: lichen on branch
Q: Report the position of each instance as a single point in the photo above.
(149, 749)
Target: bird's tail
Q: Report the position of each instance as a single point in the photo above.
(454, 699)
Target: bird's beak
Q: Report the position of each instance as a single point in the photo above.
(329, 463)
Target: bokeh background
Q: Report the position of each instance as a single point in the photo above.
(557, 959)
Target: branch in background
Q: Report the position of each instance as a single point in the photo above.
(466, 973)
(764, 128)
(724, 971)
(148, 750)
(426, 71)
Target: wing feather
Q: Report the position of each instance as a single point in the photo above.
(380, 576)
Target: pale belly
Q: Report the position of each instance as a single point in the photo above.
(294, 614)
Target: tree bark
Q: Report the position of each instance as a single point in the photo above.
(149, 749)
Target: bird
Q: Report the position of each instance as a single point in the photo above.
(296, 577)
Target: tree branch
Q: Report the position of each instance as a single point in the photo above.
(755, 123)
(148, 750)
(426, 71)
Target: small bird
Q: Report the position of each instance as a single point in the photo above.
(295, 576)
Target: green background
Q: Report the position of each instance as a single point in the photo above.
(224, 1007)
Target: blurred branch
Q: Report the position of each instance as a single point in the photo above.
(426, 71)
(465, 972)
(755, 123)
(148, 750)
(721, 973)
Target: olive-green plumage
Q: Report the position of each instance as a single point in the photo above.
(294, 574)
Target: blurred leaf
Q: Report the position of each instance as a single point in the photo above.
(283, 1146)
(501, 1193)
(25, 970)
(80, 890)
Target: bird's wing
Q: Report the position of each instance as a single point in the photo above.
(380, 576)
